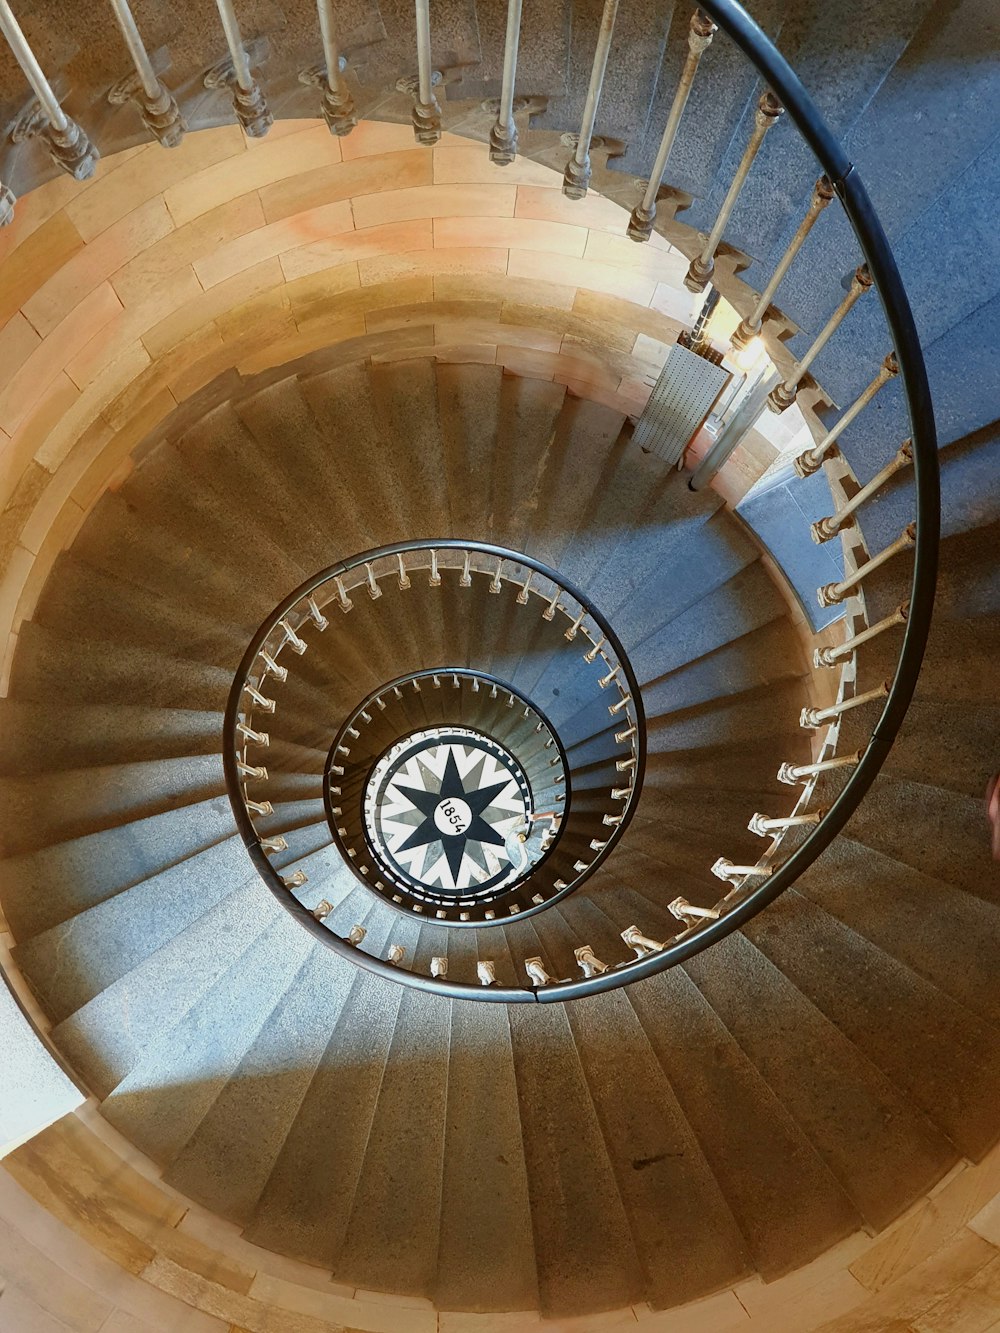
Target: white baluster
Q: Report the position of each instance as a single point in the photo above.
(264, 704)
(503, 135)
(316, 615)
(342, 597)
(817, 717)
(271, 666)
(702, 266)
(258, 737)
(783, 395)
(374, 591)
(590, 965)
(466, 578)
(749, 328)
(395, 955)
(793, 774)
(322, 910)
(275, 844)
(404, 581)
(435, 578)
(338, 105)
(259, 807)
(486, 972)
(690, 914)
(576, 178)
(522, 596)
(67, 143)
(248, 99)
(251, 770)
(724, 869)
(591, 656)
(830, 657)
(812, 460)
(832, 593)
(426, 111)
(157, 105)
(700, 32)
(439, 967)
(642, 944)
(296, 880)
(537, 974)
(573, 630)
(825, 528)
(495, 585)
(623, 702)
(762, 826)
(292, 640)
(356, 936)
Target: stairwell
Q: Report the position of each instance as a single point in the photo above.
(236, 363)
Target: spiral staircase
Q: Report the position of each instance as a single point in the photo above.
(434, 839)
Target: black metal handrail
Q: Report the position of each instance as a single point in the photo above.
(849, 188)
(245, 826)
(733, 19)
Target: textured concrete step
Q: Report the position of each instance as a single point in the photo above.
(44, 888)
(198, 510)
(167, 1093)
(71, 963)
(226, 1162)
(288, 441)
(928, 1045)
(392, 1236)
(298, 1213)
(942, 833)
(948, 937)
(527, 418)
(656, 1159)
(766, 713)
(225, 454)
(158, 993)
(588, 1259)
(411, 461)
(952, 739)
(787, 1205)
(865, 1130)
(90, 671)
(79, 600)
(488, 1209)
(468, 399)
(47, 736)
(57, 807)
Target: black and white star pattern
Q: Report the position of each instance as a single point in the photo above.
(445, 810)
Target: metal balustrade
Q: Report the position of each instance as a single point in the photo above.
(838, 780)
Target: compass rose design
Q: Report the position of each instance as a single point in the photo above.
(442, 809)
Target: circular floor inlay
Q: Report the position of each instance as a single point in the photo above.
(444, 808)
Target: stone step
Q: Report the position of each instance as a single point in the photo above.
(161, 990)
(58, 807)
(787, 1204)
(48, 737)
(926, 1044)
(42, 889)
(865, 1130)
(588, 1257)
(71, 963)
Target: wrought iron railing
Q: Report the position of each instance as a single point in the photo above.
(850, 753)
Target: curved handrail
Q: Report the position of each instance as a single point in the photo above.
(835, 163)
(846, 180)
(245, 826)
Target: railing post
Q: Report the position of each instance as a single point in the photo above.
(749, 328)
(338, 105)
(503, 135)
(812, 459)
(702, 266)
(576, 178)
(157, 104)
(68, 144)
(826, 528)
(248, 98)
(832, 593)
(426, 110)
(783, 395)
(700, 32)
